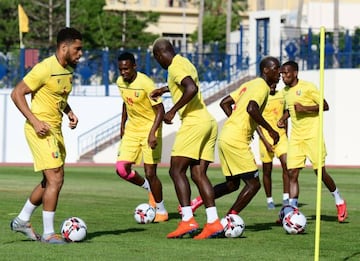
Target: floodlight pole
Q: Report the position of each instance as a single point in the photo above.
(200, 31)
(123, 35)
(184, 47)
(67, 13)
(228, 25)
(336, 33)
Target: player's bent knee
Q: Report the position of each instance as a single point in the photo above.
(251, 180)
(232, 184)
(122, 172)
(151, 177)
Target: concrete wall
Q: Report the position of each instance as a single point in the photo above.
(341, 124)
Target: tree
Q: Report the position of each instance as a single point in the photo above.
(46, 18)
(99, 28)
(104, 28)
(214, 21)
(135, 37)
(9, 26)
(356, 48)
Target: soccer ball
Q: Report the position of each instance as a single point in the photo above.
(285, 210)
(144, 213)
(73, 229)
(233, 225)
(294, 222)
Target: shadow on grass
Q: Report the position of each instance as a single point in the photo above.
(326, 218)
(262, 226)
(174, 215)
(22, 240)
(266, 226)
(355, 255)
(281, 205)
(113, 232)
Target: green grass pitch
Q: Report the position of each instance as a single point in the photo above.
(106, 203)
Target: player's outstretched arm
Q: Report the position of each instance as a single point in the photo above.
(254, 112)
(226, 105)
(73, 119)
(263, 139)
(282, 123)
(124, 117)
(160, 112)
(155, 94)
(18, 96)
(190, 90)
(311, 108)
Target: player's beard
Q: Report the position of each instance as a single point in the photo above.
(71, 63)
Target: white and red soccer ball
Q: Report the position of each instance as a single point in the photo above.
(233, 225)
(73, 229)
(285, 210)
(144, 213)
(294, 222)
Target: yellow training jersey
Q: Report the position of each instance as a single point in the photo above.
(303, 125)
(139, 105)
(51, 84)
(272, 113)
(195, 110)
(240, 126)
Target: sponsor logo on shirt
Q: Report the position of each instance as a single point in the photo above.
(129, 101)
(242, 91)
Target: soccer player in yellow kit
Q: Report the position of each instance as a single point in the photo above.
(140, 132)
(272, 113)
(302, 101)
(49, 84)
(194, 142)
(244, 108)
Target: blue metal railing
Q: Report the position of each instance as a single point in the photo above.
(92, 139)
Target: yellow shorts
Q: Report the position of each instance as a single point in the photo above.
(134, 148)
(48, 152)
(279, 149)
(196, 141)
(299, 150)
(236, 158)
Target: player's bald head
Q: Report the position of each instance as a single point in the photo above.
(162, 45)
(163, 52)
(268, 62)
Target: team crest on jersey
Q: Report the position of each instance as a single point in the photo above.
(137, 94)
(55, 154)
(298, 92)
